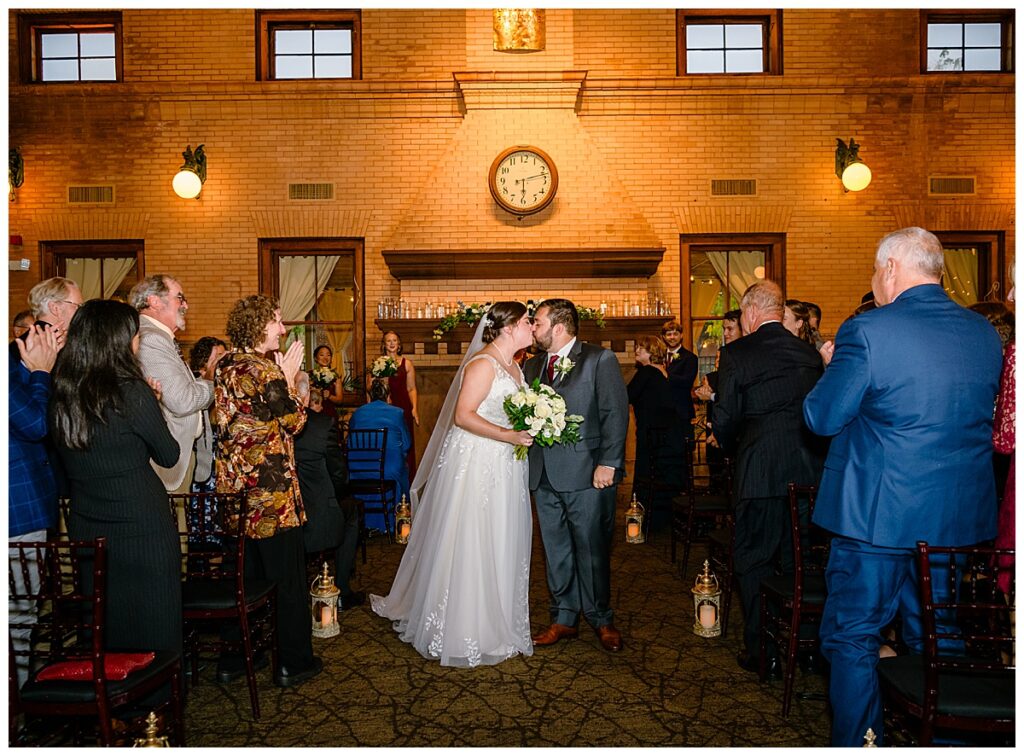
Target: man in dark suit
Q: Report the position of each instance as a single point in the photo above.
(908, 395)
(681, 365)
(762, 381)
(332, 515)
(574, 484)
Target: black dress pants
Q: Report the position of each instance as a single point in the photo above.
(763, 544)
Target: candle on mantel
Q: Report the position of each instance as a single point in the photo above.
(404, 533)
(707, 615)
(633, 529)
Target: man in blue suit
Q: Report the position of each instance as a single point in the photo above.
(908, 396)
(379, 414)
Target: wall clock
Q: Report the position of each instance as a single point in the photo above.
(523, 180)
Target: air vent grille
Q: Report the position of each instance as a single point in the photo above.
(733, 187)
(951, 185)
(90, 195)
(310, 191)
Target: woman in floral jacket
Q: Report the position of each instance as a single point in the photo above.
(256, 413)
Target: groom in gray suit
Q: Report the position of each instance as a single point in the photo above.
(574, 485)
(162, 307)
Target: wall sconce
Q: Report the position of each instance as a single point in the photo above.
(519, 30)
(15, 172)
(854, 174)
(189, 180)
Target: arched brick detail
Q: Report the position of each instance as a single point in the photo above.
(310, 222)
(734, 219)
(959, 217)
(82, 226)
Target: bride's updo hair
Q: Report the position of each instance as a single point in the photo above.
(500, 315)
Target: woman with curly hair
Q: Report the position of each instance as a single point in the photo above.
(256, 412)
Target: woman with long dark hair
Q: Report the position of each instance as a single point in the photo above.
(108, 430)
(402, 389)
(796, 318)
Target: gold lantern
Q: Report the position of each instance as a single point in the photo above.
(324, 600)
(707, 604)
(403, 521)
(635, 522)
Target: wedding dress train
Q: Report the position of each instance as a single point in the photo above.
(461, 594)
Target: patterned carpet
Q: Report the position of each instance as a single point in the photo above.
(668, 687)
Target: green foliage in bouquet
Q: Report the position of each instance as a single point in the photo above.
(540, 410)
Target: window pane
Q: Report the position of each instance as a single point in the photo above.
(703, 36)
(293, 41)
(982, 35)
(981, 60)
(333, 67)
(293, 67)
(97, 45)
(60, 45)
(332, 41)
(743, 35)
(60, 70)
(99, 69)
(945, 35)
(744, 61)
(945, 60)
(704, 61)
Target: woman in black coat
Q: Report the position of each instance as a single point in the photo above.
(107, 427)
(654, 408)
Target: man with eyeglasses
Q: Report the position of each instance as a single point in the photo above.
(162, 306)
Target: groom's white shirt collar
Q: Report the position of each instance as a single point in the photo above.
(158, 324)
(564, 351)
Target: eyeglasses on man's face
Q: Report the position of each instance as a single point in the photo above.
(75, 304)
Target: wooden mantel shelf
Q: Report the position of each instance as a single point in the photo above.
(616, 330)
(508, 263)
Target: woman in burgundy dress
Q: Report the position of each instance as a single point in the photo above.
(323, 356)
(402, 386)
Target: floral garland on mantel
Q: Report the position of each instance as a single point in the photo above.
(470, 314)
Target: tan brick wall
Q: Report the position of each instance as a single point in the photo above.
(189, 79)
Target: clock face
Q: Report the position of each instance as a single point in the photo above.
(523, 180)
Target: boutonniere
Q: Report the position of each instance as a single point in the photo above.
(564, 366)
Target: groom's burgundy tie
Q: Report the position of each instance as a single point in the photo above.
(551, 368)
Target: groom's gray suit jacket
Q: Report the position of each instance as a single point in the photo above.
(594, 389)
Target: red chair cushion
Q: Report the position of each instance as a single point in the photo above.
(116, 666)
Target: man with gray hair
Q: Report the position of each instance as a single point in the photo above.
(908, 396)
(762, 381)
(162, 306)
(54, 302)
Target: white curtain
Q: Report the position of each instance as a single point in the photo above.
(89, 274)
(960, 275)
(302, 281)
(743, 269)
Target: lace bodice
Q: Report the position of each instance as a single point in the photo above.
(491, 408)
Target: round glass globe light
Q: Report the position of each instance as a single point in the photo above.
(856, 177)
(186, 184)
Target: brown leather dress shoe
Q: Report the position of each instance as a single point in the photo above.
(554, 633)
(611, 639)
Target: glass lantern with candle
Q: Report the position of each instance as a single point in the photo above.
(707, 604)
(324, 601)
(403, 521)
(635, 522)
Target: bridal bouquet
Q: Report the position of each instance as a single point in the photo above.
(384, 367)
(323, 376)
(541, 411)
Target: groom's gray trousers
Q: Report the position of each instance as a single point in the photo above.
(577, 528)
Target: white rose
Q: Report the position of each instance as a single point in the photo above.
(531, 399)
(543, 408)
(558, 403)
(518, 400)
(535, 425)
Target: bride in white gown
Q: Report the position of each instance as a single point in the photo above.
(461, 594)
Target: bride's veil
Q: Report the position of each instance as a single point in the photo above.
(445, 419)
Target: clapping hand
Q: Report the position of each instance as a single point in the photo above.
(157, 388)
(291, 362)
(39, 348)
(827, 350)
(703, 391)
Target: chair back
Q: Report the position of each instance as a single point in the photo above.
(212, 548)
(965, 618)
(364, 452)
(61, 585)
(810, 543)
(697, 483)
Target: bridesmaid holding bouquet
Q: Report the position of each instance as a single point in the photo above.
(402, 386)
